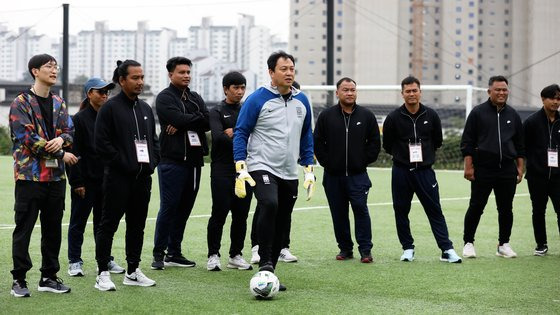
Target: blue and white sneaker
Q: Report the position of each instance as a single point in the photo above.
(408, 255)
(76, 269)
(450, 256)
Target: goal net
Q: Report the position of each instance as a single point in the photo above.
(451, 102)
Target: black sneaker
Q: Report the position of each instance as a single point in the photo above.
(282, 287)
(158, 264)
(178, 261)
(54, 285)
(267, 267)
(541, 250)
(19, 289)
(344, 255)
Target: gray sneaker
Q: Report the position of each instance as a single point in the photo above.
(19, 289)
(113, 267)
(76, 269)
(54, 285)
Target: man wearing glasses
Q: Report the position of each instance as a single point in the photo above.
(42, 132)
(86, 177)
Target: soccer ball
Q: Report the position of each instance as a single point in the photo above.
(264, 284)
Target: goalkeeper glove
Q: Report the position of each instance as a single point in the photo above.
(309, 181)
(242, 177)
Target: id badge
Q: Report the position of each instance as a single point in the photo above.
(552, 158)
(415, 153)
(142, 151)
(194, 140)
(51, 163)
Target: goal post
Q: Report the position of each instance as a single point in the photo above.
(453, 104)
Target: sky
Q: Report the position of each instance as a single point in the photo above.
(45, 16)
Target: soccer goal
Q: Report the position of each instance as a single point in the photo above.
(453, 103)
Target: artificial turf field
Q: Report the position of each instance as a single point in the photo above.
(317, 283)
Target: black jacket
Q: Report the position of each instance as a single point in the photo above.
(222, 117)
(346, 151)
(186, 111)
(118, 124)
(402, 128)
(540, 135)
(88, 169)
(494, 139)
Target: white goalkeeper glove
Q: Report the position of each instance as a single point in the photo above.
(309, 181)
(242, 177)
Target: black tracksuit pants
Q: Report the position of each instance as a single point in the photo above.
(46, 201)
(224, 200)
(504, 191)
(285, 239)
(540, 190)
(405, 183)
(129, 196)
(341, 192)
(275, 199)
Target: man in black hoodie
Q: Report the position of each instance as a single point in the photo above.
(184, 120)
(412, 134)
(542, 137)
(346, 141)
(493, 150)
(127, 144)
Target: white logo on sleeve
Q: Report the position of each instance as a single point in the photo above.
(434, 185)
(509, 121)
(145, 117)
(425, 122)
(227, 116)
(358, 123)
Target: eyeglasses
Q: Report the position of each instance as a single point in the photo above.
(103, 92)
(52, 67)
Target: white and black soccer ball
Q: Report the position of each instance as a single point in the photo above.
(264, 284)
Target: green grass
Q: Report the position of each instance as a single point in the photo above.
(317, 283)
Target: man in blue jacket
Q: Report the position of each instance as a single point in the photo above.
(346, 140)
(542, 137)
(412, 134)
(493, 150)
(272, 135)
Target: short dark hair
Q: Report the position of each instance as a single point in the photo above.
(233, 78)
(273, 59)
(345, 79)
(38, 61)
(175, 61)
(122, 69)
(409, 80)
(497, 78)
(551, 91)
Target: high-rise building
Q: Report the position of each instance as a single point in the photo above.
(440, 42)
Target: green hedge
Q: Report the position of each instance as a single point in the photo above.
(5, 141)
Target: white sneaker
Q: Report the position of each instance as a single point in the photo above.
(468, 251)
(75, 269)
(103, 282)
(505, 251)
(238, 262)
(114, 267)
(408, 255)
(450, 256)
(138, 278)
(214, 263)
(255, 258)
(286, 256)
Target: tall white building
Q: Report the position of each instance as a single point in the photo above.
(218, 41)
(440, 42)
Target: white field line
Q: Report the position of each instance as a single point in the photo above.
(12, 226)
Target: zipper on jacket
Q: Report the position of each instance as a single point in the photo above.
(500, 137)
(137, 132)
(550, 129)
(347, 125)
(184, 133)
(414, 128)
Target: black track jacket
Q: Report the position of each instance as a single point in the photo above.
(118, 124)
(540, 135)
(186, 111)
(401, 128)
(346, 151)
(222, 117)
(494, 139)
(88, 169)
